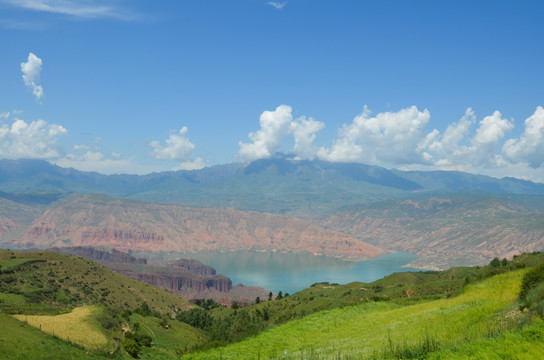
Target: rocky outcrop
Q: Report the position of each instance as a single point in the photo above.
(179, 282)
(187, 278)
(194, 266)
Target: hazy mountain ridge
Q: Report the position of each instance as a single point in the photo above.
(277, 185)
(479, 217)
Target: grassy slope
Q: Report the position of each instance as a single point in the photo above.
(79, 326)
(368, 330)
(48, 280)
(167, 343)
(21, 341)
(53, 291)
(523, 344)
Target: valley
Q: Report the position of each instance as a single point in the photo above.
(97, 252)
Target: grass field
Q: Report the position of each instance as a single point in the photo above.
(79, 327)
(19, 341)
(385, 329)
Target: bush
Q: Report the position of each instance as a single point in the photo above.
(196, 317)
(109, 319)
(131, 347)
(532, 290)
(531, 280)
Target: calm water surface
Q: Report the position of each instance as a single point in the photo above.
(293, 272)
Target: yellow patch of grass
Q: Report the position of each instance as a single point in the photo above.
(78, 326)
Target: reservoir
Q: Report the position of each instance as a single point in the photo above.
(290, 272)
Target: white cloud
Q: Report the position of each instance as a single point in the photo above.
(529, 148)
(76, 8)
(267, 140)
(278, 5)
(486, 141)
(81, 147)
(35, 140)
(304, 131)
(31, 74)
(448, 150)
(178, 147)
(97, 162)
(196, 164)
(389, 137)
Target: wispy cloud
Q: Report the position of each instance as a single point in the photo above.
(278, 5)
(75, 8)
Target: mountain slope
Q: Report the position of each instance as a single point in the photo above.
(277, 185)
(97, 220)
(447, 230)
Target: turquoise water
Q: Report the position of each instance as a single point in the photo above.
(293, 272)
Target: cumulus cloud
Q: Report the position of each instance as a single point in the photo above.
(178, 147)
(267, 140)
(304, 132)
(448, 149)
(456, 150)
(31, 74)
(278, 5)
(486, 141)
(35, 140)
(529, 148)
(389, 137)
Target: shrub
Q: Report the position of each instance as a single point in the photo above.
(131, 347)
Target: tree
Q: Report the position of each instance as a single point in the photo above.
(270, 296)
(495, 262)
(279, 296)
(257, 300)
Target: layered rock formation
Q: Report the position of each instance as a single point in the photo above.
(96, 220)
(187, 278)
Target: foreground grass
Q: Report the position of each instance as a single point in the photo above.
(527, 343)
(21, 341)
(79, 327)
(384, 329)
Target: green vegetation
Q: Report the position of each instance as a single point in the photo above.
(19, 341)
(386, 329)
(480, 312)
(88, 306)
(51, 283)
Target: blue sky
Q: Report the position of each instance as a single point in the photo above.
(119, 86)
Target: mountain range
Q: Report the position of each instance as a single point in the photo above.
(352, 211)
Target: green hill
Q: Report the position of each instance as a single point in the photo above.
(83, 311)
(50, 282)
(387, 329)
